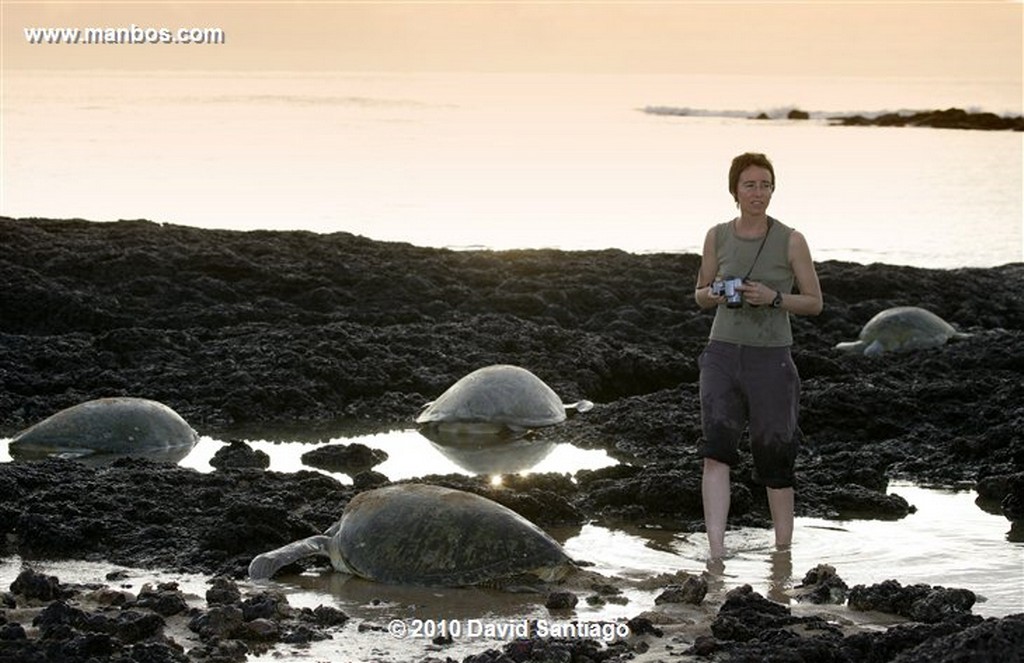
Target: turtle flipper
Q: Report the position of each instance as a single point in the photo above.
(266, 565)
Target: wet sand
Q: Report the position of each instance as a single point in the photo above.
(265, 329)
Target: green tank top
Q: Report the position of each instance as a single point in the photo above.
(761, 326)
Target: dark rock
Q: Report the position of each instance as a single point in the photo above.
(1008, 491)
(489, 656)
(991, 640)
(950, 118)
(223, 591)
(661, 491)
(754, 626)
(238, 455)
(369, 479)
(262, 629)
(266, 605)
(692, 591)
(822, 585)
(303, 634)
(165, 600)
(552, 649)
(922, 603)
(643, 626)
(218, 623)
(561, 601)
(895, 641)
(326, 616)
(854, 501)
(128, 626)
(349, 459)
(703, 646)
(57, 617)
(221, 651)
(37, 586)
(12, 631)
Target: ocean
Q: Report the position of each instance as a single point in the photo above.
(504, 161)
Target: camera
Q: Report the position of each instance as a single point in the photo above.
(727, 287)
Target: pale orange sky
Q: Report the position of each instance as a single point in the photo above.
(971, 40)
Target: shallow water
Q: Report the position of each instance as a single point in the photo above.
(949, 541)
(412, 455)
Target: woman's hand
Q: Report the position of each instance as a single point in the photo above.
(705, 298)
(756, 293)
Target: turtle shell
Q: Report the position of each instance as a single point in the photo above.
(418, 534)
(107, 425)
(497, 396)
(906, 328)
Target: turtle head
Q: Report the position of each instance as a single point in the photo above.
(856, 347)
(578, 407)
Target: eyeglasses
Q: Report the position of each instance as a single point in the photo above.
(750, 187)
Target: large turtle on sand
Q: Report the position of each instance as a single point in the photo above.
(419, 534)
(901, 329)
(121, 426)
(497, 399)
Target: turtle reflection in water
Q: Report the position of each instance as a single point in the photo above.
(902, 329)
(490, 454)
(418, 534)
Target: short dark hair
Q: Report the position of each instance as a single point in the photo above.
(744, 161)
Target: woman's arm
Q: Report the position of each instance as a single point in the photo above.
(809, 301)
(707, 273)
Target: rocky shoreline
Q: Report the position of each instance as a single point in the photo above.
(949, 118)
(264, 329)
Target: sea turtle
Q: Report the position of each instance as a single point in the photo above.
(497, 399)
(901, 329)
(107, 426)
(420, 534)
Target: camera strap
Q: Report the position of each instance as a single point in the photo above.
(760, 248)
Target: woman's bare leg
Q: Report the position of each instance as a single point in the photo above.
(715, 493)
(780, 501)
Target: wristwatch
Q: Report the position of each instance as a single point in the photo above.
(777, 302)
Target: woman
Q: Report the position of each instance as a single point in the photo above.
(747, 376)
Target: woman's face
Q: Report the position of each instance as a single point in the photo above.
(754, 190)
